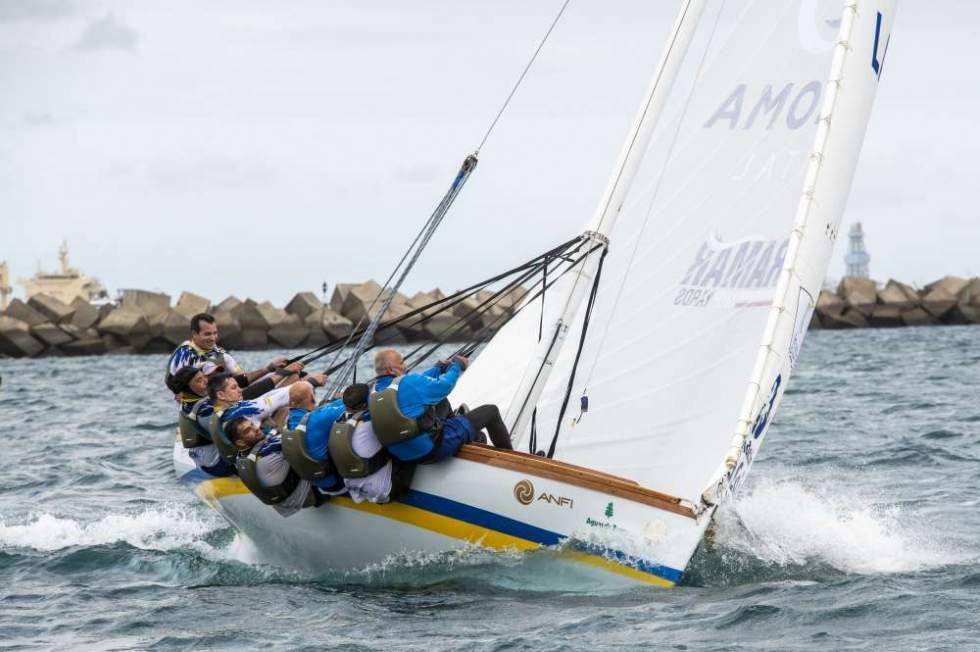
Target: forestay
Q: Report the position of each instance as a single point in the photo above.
(705, 263)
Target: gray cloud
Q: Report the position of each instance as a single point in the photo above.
(35, 9)
(108, 34)
(39, 119)
(202, 172)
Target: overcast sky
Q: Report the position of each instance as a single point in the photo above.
(260, 148)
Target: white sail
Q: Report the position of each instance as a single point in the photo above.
(695, 261)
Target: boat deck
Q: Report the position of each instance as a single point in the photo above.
(575, 475)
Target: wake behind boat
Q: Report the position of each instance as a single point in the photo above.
(648, 360)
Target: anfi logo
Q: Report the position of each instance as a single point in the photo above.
(524, 492)
(609, 510)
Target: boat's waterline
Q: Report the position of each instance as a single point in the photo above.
(625, 544)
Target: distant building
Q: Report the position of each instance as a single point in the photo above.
(66, 285)
(857, 257)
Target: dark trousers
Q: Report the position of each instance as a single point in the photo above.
(487, 417)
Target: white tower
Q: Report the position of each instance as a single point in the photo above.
(857, 258)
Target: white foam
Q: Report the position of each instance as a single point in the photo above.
(786, 522)
(153, 529)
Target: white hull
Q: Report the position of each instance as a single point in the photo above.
(609, 537)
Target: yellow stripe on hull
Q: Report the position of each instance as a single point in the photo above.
(211, 491)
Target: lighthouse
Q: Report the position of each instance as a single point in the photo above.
(857, 258)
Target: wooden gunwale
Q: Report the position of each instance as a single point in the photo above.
(579, 476)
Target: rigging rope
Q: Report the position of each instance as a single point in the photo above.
(523, 74)
(578, 353)
(412, 254)
(423, 312)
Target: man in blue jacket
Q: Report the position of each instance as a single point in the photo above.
(418, 395)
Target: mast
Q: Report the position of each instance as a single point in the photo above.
(539, 368)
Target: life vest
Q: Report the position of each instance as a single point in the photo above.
(191, 433)
(391, 426)
(296, 452)
(341, 445)
(215, 355)
(225, 447)
(246, 464)
(220, 440)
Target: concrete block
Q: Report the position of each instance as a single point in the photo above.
(339, 296)
(80, 333)
(271, 314)
(190, 304)
(436, 323)
(114, 344)
(938, 301)
(886, 316)
(86, 346)
(899, 295)
(23, 312)
(390, 336)
(16, 340)
(146, 302)
(86, 315)
(51, 335)
(229, 304)
(358, 302)
(511, 300)
(128, 324)
(829, 304)
(154, 345)
(860, 294)
(290, 332)
(303, 305)
(918, 317)
(248, 315)
(495, 311)
(465, 310)
(315, 339)
(53, 309)
(170, 326)
(949, 284)
(254, 339)
(963, 313)
(334, 325)
(848, 319)
(229, 329)
(970, 294)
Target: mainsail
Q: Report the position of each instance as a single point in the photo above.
(718, 249)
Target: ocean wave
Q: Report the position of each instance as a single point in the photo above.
(165, 528)
(787, 523)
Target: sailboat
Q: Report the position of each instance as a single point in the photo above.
(649, 374)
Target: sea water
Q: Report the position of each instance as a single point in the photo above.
(859, 528)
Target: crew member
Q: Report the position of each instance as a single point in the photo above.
(195, 415)
(265, 471)
(202, 351)
(370, 473)
(435, 438)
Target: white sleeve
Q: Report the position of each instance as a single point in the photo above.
(232, 365)
(272, 401)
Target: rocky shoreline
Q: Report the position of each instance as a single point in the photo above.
(861, 303)
(145, 322)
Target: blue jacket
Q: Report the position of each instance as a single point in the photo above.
(416, 391)
(318, 427)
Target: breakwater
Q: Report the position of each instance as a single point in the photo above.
(862, 303)
(146, 322)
